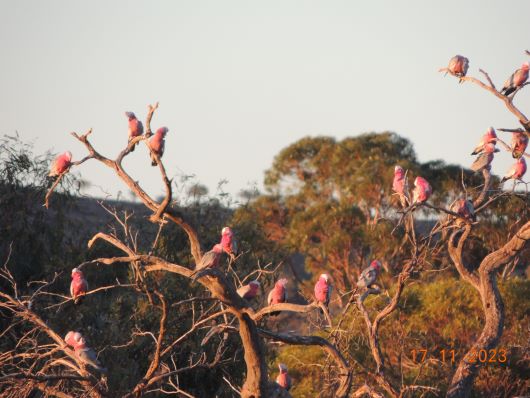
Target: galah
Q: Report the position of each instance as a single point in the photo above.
(210, 259)
(400, 185)
(60, 165)
(157, 144)
(516, 80)
(323, 289)
(483, 161)
(464, 207)
(519, 144)
(490, 137)
(229, 242)
(87, 355)
(422, 190)
(78, 286)
(516, 172)
(249, 291)
(72, 338)
(283, 379)
(458, 66)
(136, 128)
(369, 275)
(278, 294)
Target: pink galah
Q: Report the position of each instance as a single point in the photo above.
(369, 275)
(278, 294)
(458, 66)
(136, 128)
(211, 258)
(157, 144)
(60, 165)
(229, 242)
(78, 286)
(464, 207)
(73, 339)
(87, 355)
(283, 379)
(400, 185)
(422, 190)
(489, 138)
(249, 291)
(483, 161)
(323, 290)
(517, 171)
(519, 144)
(516, 80)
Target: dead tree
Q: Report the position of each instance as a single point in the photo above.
(221, 288)
(484, 276)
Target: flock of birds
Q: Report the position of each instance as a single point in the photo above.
(211, 259)
(421, 192)
(458, 66)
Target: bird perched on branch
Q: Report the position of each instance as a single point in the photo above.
(458, 66)
(400, 185)
(516, 172)
(87, 355)
(369, 275)
(136, 128)
(323, 290)
(209, 259)
(519, 144)
(483, 161)
(422, 190)
(249, 291)
(516, 80)
(283, 379)
(78, 286)
(278, 294)
(157, 144)
(229, 242)
(490, 137)
(463, 207)
(60, 165)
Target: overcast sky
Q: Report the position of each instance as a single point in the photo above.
(237, 81)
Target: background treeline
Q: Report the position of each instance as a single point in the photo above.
(327, 207)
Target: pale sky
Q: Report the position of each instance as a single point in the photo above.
(237, 81)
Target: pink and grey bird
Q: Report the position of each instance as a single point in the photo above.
(283, 379)
(209, 259)
(516, 172)
(60, 165)
(87, 355)
(463, 207)
(369, 275)
(136, 128)
(323, 290)
(157, 144)
(72, 339)
(422, 190)
(516, 80)
(249, 291)
(400, 185)
(489, 138)
(458, 66)
(278, 294)
(519, 144)
(483, 161)
(78, 286)
(229, 242)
